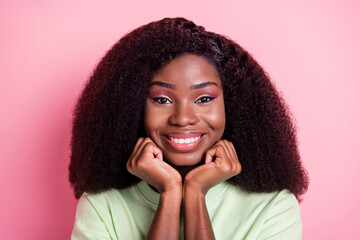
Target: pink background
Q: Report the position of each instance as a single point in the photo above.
(48, 49)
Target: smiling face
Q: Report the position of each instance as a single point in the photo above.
(184, 110)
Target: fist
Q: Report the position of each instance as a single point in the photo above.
(221, 163)
(146, 162)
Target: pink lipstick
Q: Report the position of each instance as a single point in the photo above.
(183, 141)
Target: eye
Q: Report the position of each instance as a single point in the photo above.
(162, 100)
(204, 99)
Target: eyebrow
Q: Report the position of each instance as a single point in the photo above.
(162, 84)
(195, 86)
(202, 85)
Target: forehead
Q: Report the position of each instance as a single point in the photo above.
(187, 70)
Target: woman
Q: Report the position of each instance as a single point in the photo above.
(179, 133)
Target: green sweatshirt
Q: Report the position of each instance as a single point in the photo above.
(127, 214)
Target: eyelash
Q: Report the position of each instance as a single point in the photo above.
(208, 99)
(160, 99)
(164, 100)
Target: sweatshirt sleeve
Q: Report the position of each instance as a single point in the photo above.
(88, 223)
(283, 219)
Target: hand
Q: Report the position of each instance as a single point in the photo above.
(146, 162)
(225, 166)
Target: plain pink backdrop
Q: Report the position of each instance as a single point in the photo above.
(49, 48)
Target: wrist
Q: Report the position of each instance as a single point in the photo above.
(193, 192)
(173, 194)
(172, 202)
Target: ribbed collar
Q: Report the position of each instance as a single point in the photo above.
(152, 197)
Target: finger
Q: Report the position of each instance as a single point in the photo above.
(231, 151)
(141, 147)
(211, 153)
(157, 152)
(132, 158)
(226, 146)
(151, 150)
(217, 152)
(225, 161)
(136, 147)
(235, 159)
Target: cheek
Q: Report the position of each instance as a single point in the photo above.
(216, 119)
(149, 121)
(153, 119)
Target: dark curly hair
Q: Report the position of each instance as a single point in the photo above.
(108, 117)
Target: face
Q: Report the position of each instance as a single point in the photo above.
(184, 110)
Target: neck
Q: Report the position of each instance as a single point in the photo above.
(183, 170)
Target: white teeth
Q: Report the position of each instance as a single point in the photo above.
(184, 140)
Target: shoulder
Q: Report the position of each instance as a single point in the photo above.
(265, 215)
(276, 199)
(104, 203)
(100, 199)
(281, 217)
(95, 214)
(266, 204)
(92, 205)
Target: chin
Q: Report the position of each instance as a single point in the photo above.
(183, 161)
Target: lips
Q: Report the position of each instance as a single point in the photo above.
(183, 141)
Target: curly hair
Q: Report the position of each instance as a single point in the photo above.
(108, 117)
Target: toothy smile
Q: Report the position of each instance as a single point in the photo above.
(184, 140)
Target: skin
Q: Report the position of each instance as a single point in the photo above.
(185, 100)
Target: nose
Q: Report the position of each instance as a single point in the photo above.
(184, 114)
